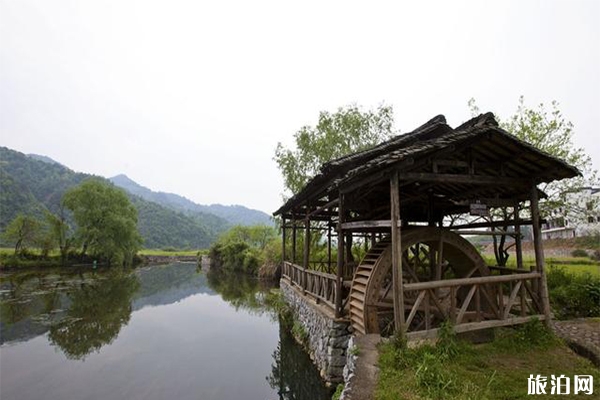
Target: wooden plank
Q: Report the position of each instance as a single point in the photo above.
(376, 224)
(474, 326)
(469, 281)
(465, 304)
(465, 179)
(396, 255)
(415, 308)
(511, 300)
(493, 224)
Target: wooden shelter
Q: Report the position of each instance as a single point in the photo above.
(417, 270)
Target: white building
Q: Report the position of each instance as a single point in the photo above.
(582, 219)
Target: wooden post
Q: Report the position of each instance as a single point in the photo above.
(306, 241)
(340, 258)
(283, 239)
(396, 255)
(329, 246)
(294, 229)
(518, 247)
(539, 253)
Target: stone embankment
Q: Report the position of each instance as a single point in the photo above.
(339, 356)
(326, 337)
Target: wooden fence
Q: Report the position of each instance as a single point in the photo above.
(319, 285)
(471, 303)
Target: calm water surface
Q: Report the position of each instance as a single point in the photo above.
(159, 332)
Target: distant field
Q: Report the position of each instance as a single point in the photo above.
(576, 265)
(175, 253)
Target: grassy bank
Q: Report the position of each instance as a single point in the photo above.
(454, 369)
(171, 252)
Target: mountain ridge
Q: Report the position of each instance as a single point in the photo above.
(234, 214)
(32, 186)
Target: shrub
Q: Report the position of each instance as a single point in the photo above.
(579, 253)
(573, 296)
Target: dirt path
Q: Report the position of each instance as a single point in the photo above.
(582, 335)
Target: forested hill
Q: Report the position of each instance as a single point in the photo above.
(29, 185)
(236, 215)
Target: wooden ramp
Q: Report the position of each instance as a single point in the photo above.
(375, 255)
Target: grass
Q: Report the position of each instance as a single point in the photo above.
(575, 265)
(455, 369)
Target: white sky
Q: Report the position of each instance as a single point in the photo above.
(192, 97)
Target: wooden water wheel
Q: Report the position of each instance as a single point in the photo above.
(428, 253)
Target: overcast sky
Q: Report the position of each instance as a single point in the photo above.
(192, 97)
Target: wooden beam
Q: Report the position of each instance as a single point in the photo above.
(469, 281)
(518, 246)
(399, 323)
(474, 326)
(357, 225)
(324, 207)
(283, 239)
(539, 252)
(491, 224)
(464, 179)
(294, 241)
(340, 258)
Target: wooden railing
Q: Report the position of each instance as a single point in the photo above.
(471, 303)
(319, 285)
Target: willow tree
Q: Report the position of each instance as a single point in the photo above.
(106, 221)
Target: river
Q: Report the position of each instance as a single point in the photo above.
(157, 332)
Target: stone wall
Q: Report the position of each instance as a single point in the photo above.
(327, 337)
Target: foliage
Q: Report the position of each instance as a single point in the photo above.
(338, 392)
(337, 134)
(455, 369)
(579, 253)
(106, 221)
(24, 231)
(573, 295)
(245, 248)
(61, 233)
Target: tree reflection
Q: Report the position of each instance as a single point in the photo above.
(241, 291)
(293, 374)
(98, 311)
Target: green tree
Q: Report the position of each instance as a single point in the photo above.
(337, 134)
(245, 248)
(23, 231)
(106, 221)
(60, 233)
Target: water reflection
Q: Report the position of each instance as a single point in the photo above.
(293, 375)
(243, 292)
(81, 311)
(150, 333)
(96, 315)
